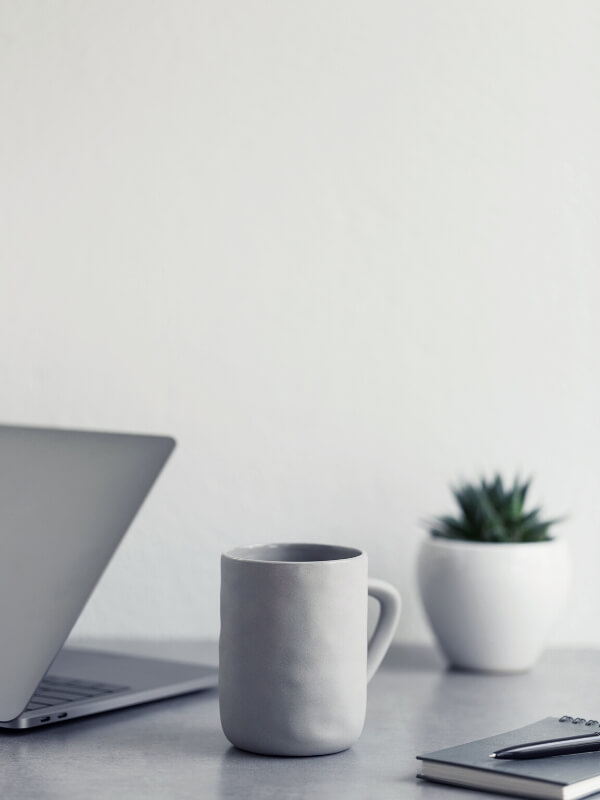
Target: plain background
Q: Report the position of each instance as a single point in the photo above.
(345, 252)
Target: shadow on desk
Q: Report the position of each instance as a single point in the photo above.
(310, 777)
(413, 658)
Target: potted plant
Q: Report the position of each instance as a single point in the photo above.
(492, 578)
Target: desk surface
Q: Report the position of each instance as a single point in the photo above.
(175, 748)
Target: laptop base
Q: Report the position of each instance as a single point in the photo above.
(83, 682)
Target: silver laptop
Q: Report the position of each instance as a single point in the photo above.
(66, 499)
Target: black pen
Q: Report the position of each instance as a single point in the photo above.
(551, 747)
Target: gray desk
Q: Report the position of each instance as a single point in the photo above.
(175, 748)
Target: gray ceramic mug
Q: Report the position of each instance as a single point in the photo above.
(293, 656)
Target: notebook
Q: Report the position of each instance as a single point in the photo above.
(565, 777)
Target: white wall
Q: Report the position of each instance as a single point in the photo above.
(345, 252)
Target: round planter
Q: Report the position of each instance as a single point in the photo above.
(491, 606)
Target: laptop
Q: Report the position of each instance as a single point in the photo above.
(67, 498)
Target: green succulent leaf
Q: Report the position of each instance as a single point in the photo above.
(493, 512)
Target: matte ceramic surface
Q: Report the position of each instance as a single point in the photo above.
(491, 606)
(293, 665)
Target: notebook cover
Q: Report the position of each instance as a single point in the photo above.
(561, 770)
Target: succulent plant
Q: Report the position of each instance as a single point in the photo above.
(491, 513)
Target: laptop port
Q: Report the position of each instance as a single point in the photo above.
(44, 719)
(62, 715)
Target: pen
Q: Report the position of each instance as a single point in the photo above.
(551, 747)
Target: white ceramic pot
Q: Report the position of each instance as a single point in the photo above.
(491, 606)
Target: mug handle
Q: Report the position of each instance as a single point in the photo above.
(390, 605)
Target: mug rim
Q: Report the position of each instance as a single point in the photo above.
(243, 553)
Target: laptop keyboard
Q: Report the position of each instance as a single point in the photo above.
(54, 691)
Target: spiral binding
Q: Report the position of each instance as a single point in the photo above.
(579, 720)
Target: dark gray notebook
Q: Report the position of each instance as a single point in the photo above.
(561, 777)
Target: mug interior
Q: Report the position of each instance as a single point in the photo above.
(293, 553)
